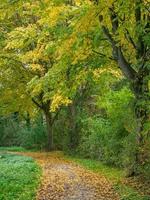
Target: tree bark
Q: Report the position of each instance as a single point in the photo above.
(28, 121)
(49, 126)
(48, 118)
(142, 100)
(73, 133)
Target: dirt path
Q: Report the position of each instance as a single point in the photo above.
(65, 180)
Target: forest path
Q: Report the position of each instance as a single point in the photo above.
(65, 180)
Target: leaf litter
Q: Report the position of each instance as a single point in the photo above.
(65, 180)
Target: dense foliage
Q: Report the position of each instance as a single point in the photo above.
(74, 76)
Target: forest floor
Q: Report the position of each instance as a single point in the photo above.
(65, 180)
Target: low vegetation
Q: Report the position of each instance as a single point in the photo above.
(19, 177)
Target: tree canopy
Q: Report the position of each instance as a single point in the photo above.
(73, 59)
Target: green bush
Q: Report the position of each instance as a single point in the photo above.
(107, 138)
(33, 138)
(101, 142)
(17, 133)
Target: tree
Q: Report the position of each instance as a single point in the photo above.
(31, 43)
(50, 50)
(122, 30)
(123, 34)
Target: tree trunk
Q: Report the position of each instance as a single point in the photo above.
(142, 100)
(28, 121)
(73, 133)
(49, 126)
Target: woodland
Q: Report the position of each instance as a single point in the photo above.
(75, 78)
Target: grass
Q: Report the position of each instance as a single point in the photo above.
(111, 173)
(16, 149)
(114, 175)
(128, 193)
(13, 148)
(19, 177)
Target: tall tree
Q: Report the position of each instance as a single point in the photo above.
(118, 31)
(30, 43)
(128, 29)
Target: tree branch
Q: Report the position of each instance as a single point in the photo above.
(112, 42)
(130, 39)
(56, 115)
(138, 15)
(118, 56)
(103, 55)
(37, 104)
(138, 10)
(125, 66)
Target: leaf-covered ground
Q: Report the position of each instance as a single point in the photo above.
(65, 180)
(133, 188)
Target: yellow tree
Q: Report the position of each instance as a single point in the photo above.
(30, 43)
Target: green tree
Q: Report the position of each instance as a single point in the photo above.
(122, 29)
